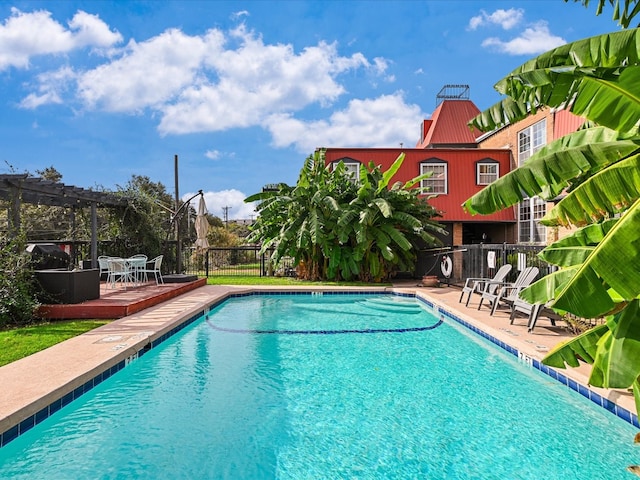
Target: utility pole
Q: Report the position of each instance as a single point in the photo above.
(177, 220)
(226, 216)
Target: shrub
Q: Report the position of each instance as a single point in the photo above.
(17, 287)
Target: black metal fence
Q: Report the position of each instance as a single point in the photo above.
(482, 260)
(236, 261)
(476, 260)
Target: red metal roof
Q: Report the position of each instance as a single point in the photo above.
(448, 125)
(461, 173)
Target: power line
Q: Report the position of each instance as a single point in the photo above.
(226, 216)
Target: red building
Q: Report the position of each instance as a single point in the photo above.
(448, 148)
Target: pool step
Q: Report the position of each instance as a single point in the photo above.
(393, 304)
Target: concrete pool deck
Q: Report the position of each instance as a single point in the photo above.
(36, 386)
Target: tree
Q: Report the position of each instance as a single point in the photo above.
(598, 168)
(337, 229)
(145, 223)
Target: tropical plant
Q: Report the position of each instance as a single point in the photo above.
(598, 169)
(623, 11)
(339, 229)
(18, 299)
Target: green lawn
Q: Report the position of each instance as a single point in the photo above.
(22, 342)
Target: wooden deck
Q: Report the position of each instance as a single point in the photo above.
(120, 302)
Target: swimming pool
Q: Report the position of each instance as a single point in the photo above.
(308, 386)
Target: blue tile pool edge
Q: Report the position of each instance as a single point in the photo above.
(583, 390)
(25, 425)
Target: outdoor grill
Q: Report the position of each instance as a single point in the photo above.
(48, 256)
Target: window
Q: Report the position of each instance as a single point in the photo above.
(487, 171)
(531, 139)
(531, 210)
(353, 170)
(436, 183)
(530, 230)
(351, 166)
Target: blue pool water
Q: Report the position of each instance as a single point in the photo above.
(325, 387)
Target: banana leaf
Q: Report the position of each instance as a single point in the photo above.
(636, 394)
(617, 360)
(603, 66)
(590, 235)
(621, 10)
(583, 347)
(390, 172)
(554, 165)
(384, 206)
(614, 263)
(614, 104)
(545, 289)
(575, 248)
(603, 195)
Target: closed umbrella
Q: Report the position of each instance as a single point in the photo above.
(202, 227)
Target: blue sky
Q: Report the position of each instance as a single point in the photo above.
(244, 91)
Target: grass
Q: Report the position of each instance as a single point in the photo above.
(281, 281)
(21, 342)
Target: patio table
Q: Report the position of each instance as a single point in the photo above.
(137, 266)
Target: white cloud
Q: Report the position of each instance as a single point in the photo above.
(25, 35)
(239, 14)
(148, 74)
(216, 81)
(212, 154)
(385, 121)
(507, 19)
(91, 31)
(534, 40)
(257, 80)
(234, 199)
(199, 83)
(52, 87)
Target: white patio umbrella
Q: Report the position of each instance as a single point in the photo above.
(202, 226)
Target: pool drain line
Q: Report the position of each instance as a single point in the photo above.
(324, 332)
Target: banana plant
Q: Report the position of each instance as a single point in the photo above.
(597, 171)
(339, 229)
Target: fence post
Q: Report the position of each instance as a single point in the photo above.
(206, 262)
(504, 253)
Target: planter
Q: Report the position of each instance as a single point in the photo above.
(430, 281)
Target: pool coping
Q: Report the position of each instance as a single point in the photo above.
(38, 386)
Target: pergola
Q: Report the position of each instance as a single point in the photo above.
(19, 188)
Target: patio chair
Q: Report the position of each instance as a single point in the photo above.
(476, 284)
(137, 264)
(533, 311)
(153, 266)
(118, 272)
(508, 292)
(103, 265)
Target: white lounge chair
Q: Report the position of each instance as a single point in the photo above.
(508, 292)
(476, 284)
